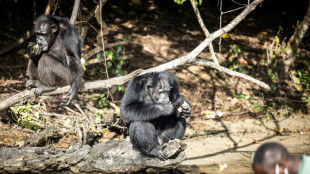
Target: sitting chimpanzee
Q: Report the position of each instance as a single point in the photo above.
(155, 111)
(55, 56)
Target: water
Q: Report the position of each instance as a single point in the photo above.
(238, 166)
(241, 166)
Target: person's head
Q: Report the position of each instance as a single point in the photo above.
(273, 158)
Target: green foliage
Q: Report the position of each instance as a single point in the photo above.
(27, 117)
(234, 64)
(101, 98)
(98, 114)
(272, 76)
(306, 98)
(270, 112)
(261, 95)
(226, 87)
(303, 78)
(114, 63)
(180, 2)
(258, 108)
(242, 96)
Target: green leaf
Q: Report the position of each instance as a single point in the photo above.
(179, 2)
(303, 98)
(258, 108)
(277, 39)
(120, 88)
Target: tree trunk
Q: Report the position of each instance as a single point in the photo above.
(295, 40)
(108, 157)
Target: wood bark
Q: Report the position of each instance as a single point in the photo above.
(295, 40)
(108, 157)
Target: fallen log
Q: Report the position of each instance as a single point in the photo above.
(108, 157)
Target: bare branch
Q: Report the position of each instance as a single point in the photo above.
(75, 11)
(233, 73)
(204, 29)
(49, 6)
(98, 16)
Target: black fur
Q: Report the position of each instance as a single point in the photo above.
(151, 106)
(55, 56)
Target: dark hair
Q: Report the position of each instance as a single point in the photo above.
(259, 156)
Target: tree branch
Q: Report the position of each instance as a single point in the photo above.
(205, 30)
(233, 73)
(98, 17)
(75, 11)
(295, 40)
(49, 6)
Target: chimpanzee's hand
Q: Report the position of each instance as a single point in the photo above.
(35, 51)
(70, 95)
(38, 92)
(184, 109)
(162, 155)
(30, 84)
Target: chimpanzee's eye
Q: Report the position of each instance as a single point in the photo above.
(41, 34)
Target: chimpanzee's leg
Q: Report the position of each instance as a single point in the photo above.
(143, 136)
(173, 128)
(51, 73)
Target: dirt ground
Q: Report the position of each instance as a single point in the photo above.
(235, 147)
(160, 34)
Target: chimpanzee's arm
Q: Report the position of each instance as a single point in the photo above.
(73, 60)
(76, 72)
(141, 111)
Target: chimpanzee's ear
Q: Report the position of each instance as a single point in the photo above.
(142, 82)
(149, 86)
(54, 28)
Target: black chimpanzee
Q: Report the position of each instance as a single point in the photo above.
(154, 110)
(55, 56)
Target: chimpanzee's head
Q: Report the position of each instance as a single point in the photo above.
(158, 90)
(161, 88)
(46, 30)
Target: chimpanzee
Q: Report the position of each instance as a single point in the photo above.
(155, 111)
(55, 57)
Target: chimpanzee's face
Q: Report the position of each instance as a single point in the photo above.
(159, 91)
(45, 34)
